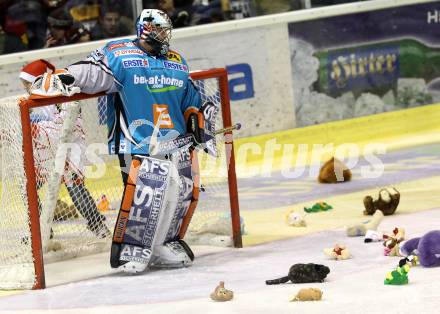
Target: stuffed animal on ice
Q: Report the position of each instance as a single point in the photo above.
(391, 242)
(373, 235)
(398, 276)
(339, 252)
(303, 273)
(387, 202)
(426, 248)
(361, 229)
(308, 294)
(295, 219)
(318, 207)
(411, 260)
(334, 171)
(221, 294)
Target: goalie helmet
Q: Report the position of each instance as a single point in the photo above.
(154, 27)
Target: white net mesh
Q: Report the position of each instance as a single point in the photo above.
(211, 223)
(16, 267)
(79, 186)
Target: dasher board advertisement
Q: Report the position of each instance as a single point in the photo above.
(365, 63)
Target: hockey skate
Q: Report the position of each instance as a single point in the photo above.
(174, 254)
(132, 267)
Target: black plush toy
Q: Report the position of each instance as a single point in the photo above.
(303, 273)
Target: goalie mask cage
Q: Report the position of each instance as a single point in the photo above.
(58, 201)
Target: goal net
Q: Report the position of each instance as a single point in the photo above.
(60, 190)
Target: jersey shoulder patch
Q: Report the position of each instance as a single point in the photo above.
(120, 44)
(174, 56)
(123, 47)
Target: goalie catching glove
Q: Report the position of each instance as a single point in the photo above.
(59, 83)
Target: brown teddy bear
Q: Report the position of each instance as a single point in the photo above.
(387, 202)
(334, 171)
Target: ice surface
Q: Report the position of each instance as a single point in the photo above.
(353, 286)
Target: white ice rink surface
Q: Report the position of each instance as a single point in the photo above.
(353, 286)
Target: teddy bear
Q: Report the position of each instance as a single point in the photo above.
(387, 202)
(221, 294)
(334, 171)
(308, 294)
(426, 248)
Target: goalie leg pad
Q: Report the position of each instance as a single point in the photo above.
(132, 258)
(124, 211)
(188, 167)
(175, 252)
(148, 219)
(183, 162)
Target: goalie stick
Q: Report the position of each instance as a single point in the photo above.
(236, 127)
(171, 146)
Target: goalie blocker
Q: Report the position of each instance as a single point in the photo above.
(160, 196)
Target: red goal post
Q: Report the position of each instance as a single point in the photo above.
(29, 167)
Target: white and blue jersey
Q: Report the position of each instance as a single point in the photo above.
(149, 98)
